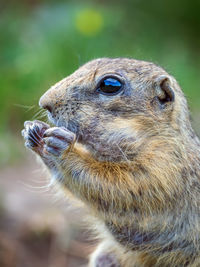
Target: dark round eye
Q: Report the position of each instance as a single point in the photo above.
(109, 86)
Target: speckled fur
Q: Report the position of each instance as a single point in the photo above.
(135, 163)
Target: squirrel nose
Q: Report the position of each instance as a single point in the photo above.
(43, 103)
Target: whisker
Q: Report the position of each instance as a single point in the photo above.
(38, 113)
(42, 116)
(39, 189)
(28, 108)
(83, 111)
(124, 156)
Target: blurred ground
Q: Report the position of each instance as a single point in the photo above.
(36, 228)
(43, 41)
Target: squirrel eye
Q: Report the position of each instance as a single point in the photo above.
(110, 86)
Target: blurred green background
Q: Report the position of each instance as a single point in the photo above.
(44, 41)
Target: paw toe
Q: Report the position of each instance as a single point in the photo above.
(60, 133)
(55, 142)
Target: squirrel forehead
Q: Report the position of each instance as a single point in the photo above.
(91, 72)
(126, 66)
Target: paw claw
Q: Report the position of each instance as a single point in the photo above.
(29, 144)
(27, 123)
(23, 132)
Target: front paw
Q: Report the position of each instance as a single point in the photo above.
(57, 141)
(33, 134)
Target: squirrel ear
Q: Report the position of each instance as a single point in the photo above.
(164, 91)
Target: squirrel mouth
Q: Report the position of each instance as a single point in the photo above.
(70, 125)
(52, 121)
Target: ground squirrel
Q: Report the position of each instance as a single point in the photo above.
(123, 144)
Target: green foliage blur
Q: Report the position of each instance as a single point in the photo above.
(43, 41)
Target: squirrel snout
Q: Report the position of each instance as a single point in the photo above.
(45, 103)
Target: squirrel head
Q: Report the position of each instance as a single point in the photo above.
(115, 105)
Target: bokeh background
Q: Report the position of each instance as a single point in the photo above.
(42, 41)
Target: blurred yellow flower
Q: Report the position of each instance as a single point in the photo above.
(89, 22)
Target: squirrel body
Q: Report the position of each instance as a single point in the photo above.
(123, 144)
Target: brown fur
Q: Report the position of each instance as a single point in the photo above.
(135, 163)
